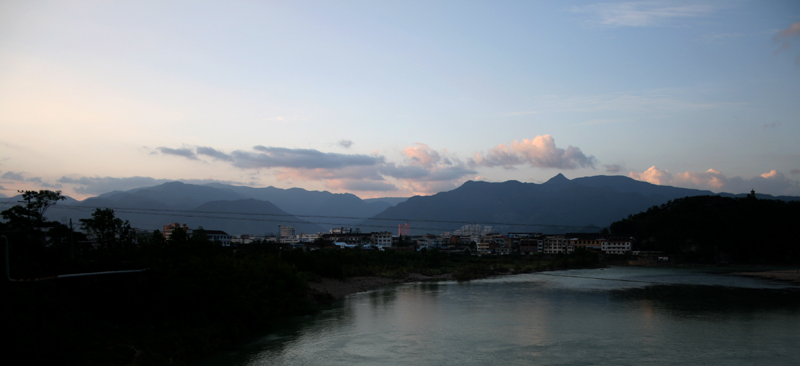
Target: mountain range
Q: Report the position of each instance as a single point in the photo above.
(559, 205)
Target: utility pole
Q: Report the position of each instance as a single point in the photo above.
(71, 241)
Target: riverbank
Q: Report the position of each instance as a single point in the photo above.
(335, 289)
(338, 289)
(787, 275)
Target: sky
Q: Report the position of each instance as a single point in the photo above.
(398, 98)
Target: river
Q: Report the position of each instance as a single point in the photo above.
(611, 316)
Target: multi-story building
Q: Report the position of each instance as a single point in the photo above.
(484, 248)
(381, 239)
(343, 230)
(616, 245)
(554, 244)
(404, 229)
(529, 246)
(286, 230)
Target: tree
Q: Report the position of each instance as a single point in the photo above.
(31, 215)
(109, 231)
(28, 220)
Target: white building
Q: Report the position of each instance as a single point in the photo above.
(219, 236)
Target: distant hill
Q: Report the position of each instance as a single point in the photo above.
(556, 206)
(247, 216)
(171, 195)
(301, 202)
(152, 207)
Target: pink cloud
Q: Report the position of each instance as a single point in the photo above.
(427, 171)
(709, 178)
(773, 174)
(793, 30)
(541, 152)
(653, 175)
(772, 182)
(349, 185)
(426, 188)
(785, 35)
(422, 155)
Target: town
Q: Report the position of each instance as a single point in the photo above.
(472, 239)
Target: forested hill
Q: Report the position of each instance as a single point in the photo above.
(714, 229)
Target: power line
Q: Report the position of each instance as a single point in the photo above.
(202, 214)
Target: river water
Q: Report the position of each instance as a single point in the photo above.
(611, 316)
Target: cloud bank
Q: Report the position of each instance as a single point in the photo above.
(18, 177)
(424, 170)
(774, 182)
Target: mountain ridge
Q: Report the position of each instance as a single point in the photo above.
(557, 205)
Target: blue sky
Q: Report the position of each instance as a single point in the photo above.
(385, 98)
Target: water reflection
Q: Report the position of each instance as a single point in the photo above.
(620, 316)
(693, 300)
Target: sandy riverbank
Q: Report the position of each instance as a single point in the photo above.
(341, 288)
(788, 275)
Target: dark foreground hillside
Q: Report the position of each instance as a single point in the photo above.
(714, 229)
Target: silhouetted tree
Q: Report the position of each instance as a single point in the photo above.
(31, 214)
(111, 233)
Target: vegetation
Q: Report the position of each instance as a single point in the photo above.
(713, 229)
